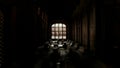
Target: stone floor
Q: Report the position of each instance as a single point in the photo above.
(73, 62)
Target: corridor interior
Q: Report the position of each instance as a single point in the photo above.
(59, 33)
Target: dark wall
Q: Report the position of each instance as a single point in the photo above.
(40, 26)
(107, 31)
(24, 30)
(84, 27)
(1, 36)
(97, 28)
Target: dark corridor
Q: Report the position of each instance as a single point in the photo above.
(59, 33)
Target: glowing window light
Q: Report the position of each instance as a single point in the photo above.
(64, 25)
(53, 25)
(60, 25)
(53, 37)
(57, 37)
(64, 37)
(58, 31)
(60, 37)
(57, 25)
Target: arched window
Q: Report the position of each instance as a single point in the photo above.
(58, 31)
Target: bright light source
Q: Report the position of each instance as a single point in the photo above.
(57, 25)
(60, 25)
(60, 45)
(64, 37)
(59, 30)
(56, 37)
(60, 37)
(53, 25)
(64, 25)
(53, 37)
(52, 45)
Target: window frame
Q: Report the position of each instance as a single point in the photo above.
(57, 31)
